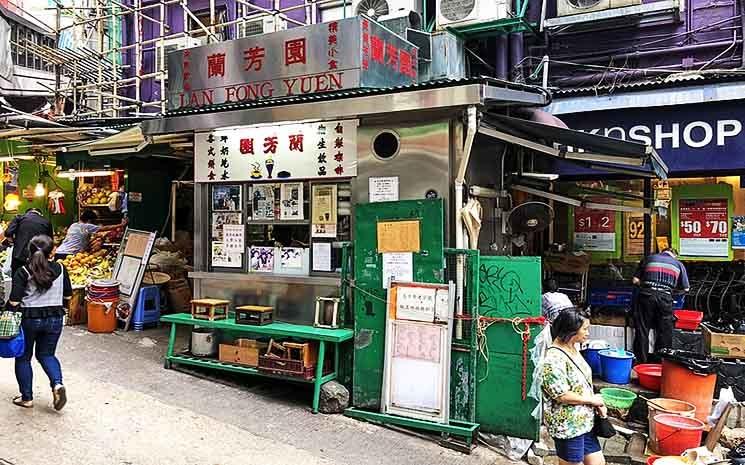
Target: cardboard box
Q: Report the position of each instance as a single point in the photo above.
(77, 312)
(243, 352)
(723, 345)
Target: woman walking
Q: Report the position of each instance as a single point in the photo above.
(39, 290)
(569, 401)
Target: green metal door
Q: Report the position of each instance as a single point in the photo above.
(509, 287)
(369, 294)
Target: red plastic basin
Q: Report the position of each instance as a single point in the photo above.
(650, 375)
(688, 319)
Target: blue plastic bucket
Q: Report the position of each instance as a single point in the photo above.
(592, 356)
(616, 365)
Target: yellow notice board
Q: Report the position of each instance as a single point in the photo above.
(398, 236)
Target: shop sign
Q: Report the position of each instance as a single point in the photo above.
(594, 230)
(689, 138)
(345, 54)
(704, 227)
(325, 149)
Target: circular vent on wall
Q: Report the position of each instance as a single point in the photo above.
(582, 4)
(456, 10)
(386, 145)
(373, 8)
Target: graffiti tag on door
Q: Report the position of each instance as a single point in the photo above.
(502, 292)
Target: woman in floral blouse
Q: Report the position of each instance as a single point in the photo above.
(569, 401)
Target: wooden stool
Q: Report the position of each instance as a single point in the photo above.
(253, 315)
(209, 309)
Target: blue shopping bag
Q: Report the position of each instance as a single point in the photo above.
(12, 348)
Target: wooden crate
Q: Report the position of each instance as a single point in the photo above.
(307, 352)
(254, 315)
(77, 313)
(243, 352)
(723, 345)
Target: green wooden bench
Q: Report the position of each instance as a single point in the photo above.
(277, 329)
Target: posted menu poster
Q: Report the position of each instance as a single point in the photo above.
(322, 256)
(233, 237)
(223, 258)
(703, 228)
(221, 219)
(262, 202)
(226, 198)
(324, 210)
(262, 259)
(383, 189)
(291, 257)
(738, 232)
(291, 201)
(397, 267)
(594, 230)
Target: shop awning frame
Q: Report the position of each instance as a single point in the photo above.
(599, 152)
(581, 203)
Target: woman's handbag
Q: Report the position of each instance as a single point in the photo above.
(10, 324)
(603, 428)
(12, 348)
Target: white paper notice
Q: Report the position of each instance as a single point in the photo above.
(398, 267)
(322, 256)
(233, 238)
(383, 189)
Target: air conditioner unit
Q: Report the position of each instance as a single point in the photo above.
(455, 13)
(375, 9)
(169, 45)
(264, 25)
(575, 7)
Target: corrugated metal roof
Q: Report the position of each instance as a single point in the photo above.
(354, 93)
(673, 80)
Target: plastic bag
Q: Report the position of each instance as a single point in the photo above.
(12, 348)
(512, 448)
(726, 397)
(537, 352)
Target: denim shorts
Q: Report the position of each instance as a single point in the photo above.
(575, 449)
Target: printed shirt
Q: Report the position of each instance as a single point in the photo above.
(552, 303)
(560, 376)
(77, 237)
(662, 272)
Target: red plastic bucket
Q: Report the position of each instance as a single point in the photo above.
(660, 406)
(650, 375)
(688, 319)
(675, 434)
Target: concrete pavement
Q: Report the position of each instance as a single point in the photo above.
(124, 408)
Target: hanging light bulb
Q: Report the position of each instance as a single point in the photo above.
(12, 202)
(40, 190)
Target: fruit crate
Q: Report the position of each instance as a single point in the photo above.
(286, 367)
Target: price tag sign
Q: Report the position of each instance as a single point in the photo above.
(634, 240)
(594, 230)
(703, 228)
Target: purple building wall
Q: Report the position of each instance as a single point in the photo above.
(150, 87)
(708, 35)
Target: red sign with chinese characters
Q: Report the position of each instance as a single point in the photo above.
(345, 54)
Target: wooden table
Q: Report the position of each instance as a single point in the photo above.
(276, 329)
